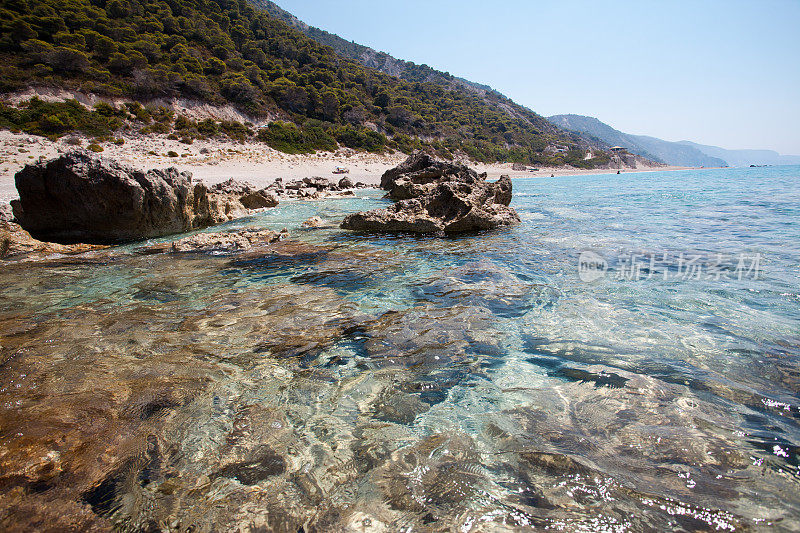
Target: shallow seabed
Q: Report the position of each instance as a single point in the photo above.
(345, 382)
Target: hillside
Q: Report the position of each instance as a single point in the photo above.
(671, 153)
(744, 158)
(221, 51)
(372, 58)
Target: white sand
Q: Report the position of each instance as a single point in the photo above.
(253, 162)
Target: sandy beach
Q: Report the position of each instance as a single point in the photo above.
(214, 161)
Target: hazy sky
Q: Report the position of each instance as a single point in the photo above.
(716, 72)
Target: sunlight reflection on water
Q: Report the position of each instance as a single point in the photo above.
(367, 381)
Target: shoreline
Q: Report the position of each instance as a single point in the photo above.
(215, 161)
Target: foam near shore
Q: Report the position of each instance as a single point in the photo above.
(214, 161)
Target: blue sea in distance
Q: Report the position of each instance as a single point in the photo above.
(625, 359)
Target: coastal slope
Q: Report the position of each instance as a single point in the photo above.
(235, 54)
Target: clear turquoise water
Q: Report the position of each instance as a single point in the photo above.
(470, 383)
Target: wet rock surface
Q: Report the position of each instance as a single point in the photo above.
(17, 244)
(437, 197)
(81, 198)
(312, 188)
(226, 241)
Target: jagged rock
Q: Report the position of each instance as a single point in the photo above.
(233, 187)
(258, 200)
(225, 241)
(249, 196)
(295, 185)
(79, 197)
(16, 243)
(361, 185)
(345, 183)
(416, 161)
(277, 185)
(420, 174)
(6, 214)
(436, 196)
(313, 222)
(321, 184)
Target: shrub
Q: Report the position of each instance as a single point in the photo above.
(207, 127)
(68, 60)
(361, 139)
(234, 130)
(290, 139)
(94, 147)
(54, 119)
(172, 153)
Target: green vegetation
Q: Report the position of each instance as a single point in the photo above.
(227, 51)
(55, 119)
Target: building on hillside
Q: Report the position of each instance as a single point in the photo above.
(556, 149)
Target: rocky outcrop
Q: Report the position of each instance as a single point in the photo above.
(17, 244)
(346, 183)
(6, 214)
(313, 222)
(248, 195)
(220, 242)
(312, 188)
(80, 198)
(435, 196)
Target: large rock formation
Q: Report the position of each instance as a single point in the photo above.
(81, 198)
(434, 196)
(249, 196)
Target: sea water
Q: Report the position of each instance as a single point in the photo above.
(625, 359)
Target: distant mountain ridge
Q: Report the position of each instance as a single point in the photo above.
(743, 158)
(681, 153)
(671, 153)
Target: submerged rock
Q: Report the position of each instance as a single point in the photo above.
(313, 222)
(434, 196)
(225, 241)
(438, 476)
(78, 197)
(260, 465)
